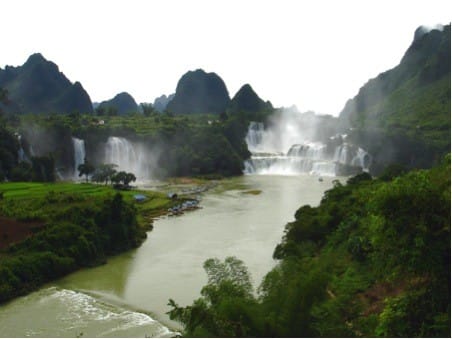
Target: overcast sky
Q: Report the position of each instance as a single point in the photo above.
(314, 54)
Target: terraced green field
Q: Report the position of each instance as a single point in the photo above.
(32, 200)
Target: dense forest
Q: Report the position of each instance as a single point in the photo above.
(181, 145)
(49, 230)
(372, 260)
(78, 232)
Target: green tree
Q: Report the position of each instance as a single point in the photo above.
(148, 109)
(104, 173)
(9, 147)
(85, 169)
(124, 177)
(22, 172)
(227, 307)
(43, 168)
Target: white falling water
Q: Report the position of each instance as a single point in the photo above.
(325, 168)
(254, 135)
(20, 153)
(79, 154)
(313, 151)
(363, 159)
(302, 157)
(129, 157)
(341, 154)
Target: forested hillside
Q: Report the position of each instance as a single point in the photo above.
(372, 260)
(199, 92)
(181, 145)
(120, 104)
(38, 86)
(50, 230)
(403, 115)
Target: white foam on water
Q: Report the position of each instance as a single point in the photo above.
(302, 157)
(55, 312)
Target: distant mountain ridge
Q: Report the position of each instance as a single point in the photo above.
(162, 102)
(199, 92)
(39, 87)
(122, 103)
(247, 100)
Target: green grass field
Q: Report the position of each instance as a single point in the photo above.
(36, 190)
(28, 196)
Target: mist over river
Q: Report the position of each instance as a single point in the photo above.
(128, 296)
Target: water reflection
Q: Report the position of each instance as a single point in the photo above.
(110, 279)
(137, 284)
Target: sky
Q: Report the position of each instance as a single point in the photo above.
(312, 54)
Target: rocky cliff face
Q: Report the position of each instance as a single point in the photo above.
(39, 87)
(199, 92)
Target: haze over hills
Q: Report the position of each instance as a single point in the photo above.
(403, 115)
(162, 102)
(426, 61)
(373, 259)
(39, 87)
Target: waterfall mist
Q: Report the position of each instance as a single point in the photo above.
(282, 130)
(79, 154)
(21, 152)
(40, 141)
(134, 157)
(293, 143)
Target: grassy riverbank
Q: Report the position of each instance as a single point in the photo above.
(49, 230)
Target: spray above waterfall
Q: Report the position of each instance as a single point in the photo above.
(79, 154)
(283, 130)
(20, 153)
(129, 156)
(292, 144)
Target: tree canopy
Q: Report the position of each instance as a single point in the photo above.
(373, 259)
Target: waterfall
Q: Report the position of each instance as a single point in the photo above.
(302, 157)
(362, 158)
(268, 156)
(341, 154)
(20, 153)
(325, 168)
(254, 136)
(127, 156)
(79, 154)
(314, 151)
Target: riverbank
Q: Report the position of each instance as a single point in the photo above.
(168, 264)
(92, 221)
(50, 230)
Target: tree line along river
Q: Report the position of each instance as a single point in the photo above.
(242, 217)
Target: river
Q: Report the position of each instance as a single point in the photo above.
(128, 296)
